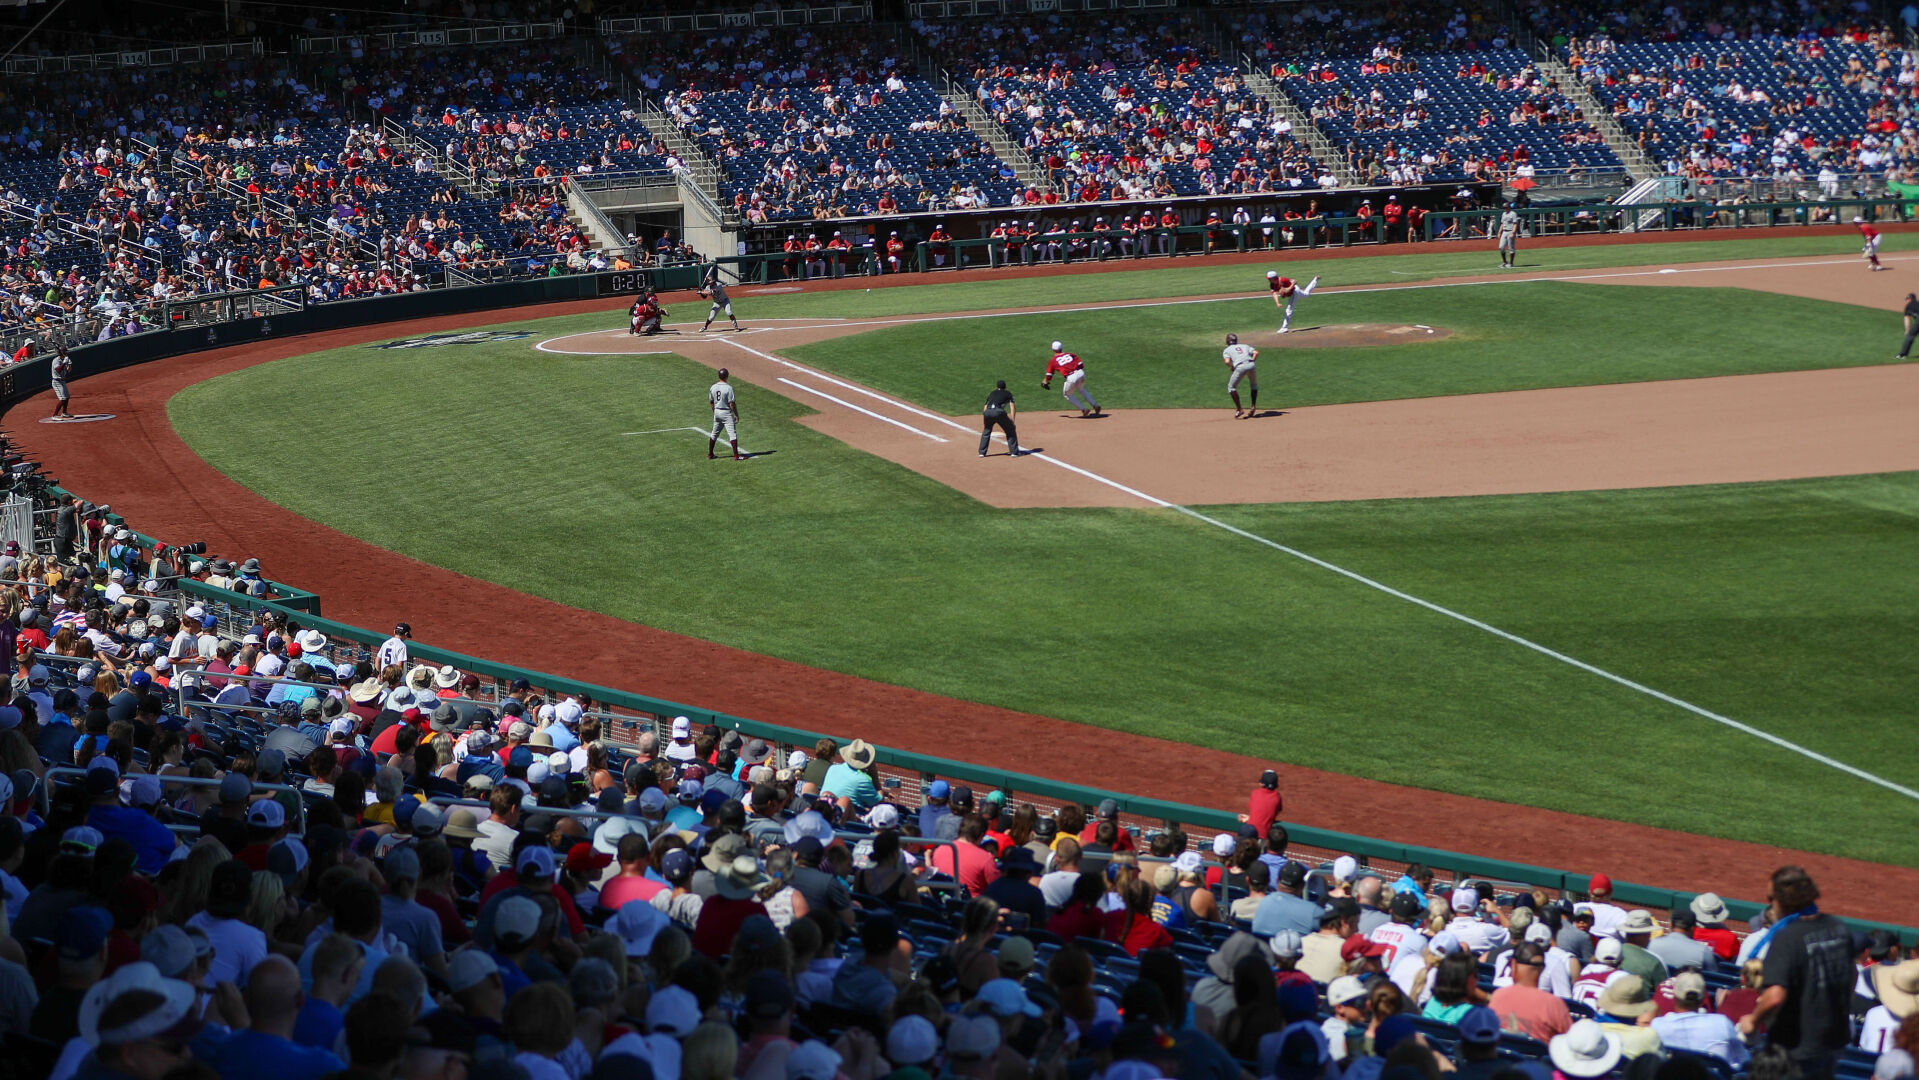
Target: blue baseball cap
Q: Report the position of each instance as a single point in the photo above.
(83, 932)
(1480, 1026)
(938, 789)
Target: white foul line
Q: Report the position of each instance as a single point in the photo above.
(856, 408)
(1362, 579)
(663, 430)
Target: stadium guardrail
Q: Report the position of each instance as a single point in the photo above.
(302, 608)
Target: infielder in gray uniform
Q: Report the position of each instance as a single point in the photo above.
(1239, 358)
(1509, 237)
(715, 288)
(726, 416)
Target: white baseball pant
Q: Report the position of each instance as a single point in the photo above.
(1075, 389)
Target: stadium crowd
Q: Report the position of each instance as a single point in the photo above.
(231, 847)
(267, 171)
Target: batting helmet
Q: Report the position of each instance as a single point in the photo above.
(1232, 339)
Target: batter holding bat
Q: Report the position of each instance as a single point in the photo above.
(714, 288)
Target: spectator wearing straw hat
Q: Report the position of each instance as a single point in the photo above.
(848, 781)
(1712, 913)
(1625, 1008)
(1586, 1051)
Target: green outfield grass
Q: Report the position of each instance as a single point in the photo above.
(1787, 606)
(1518, 336)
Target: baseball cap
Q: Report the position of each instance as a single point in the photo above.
(1360, 945)
(81, 840)
(401, 864)
(1608, 951)
(267, 814)
(1479, 1026)
(83, 932)
(938, 789)
(468, 967)
(1445, 943)
(1406, 905)
(582, 859)
(972, 1037)
(812, 1060)
(912, 1040)
(1688, 986)
(638, 923)
(518, 919)
(1287, 945)
(1004, 998)
(690, 791)
(1345, 990)
(673, 1011)
(534, 861)
(168, 948)
(288, 857)
(652, 801)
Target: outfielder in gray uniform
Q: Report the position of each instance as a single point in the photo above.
(1509, 237)
(1240, 358)
(726, 416)
(715, 288)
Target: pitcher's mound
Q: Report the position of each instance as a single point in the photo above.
(1352, 335)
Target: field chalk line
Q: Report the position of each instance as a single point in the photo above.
(856, 408)
(1352, 575)
(663, 430)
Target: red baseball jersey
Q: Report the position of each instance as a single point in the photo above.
(1063, 363)
(1280, 284)
(1867, 230)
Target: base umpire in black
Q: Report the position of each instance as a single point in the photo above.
(999, 410)
(1912, 325)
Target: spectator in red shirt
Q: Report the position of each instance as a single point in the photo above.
(731, 905)
(631, 883)
(1080, 916)
(976, 869)
(1711, 913)
(1108, 810)
(1263, 807)
(1132, 927)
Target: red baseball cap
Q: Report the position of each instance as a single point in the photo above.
(1599, 883)
(1360, 945)
(582, 859)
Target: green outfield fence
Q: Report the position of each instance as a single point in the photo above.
(629, 713)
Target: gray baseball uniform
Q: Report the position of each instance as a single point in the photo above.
(721, 395)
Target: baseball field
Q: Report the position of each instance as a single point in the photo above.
(1627, 532)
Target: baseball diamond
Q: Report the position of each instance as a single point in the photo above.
(1234, 543)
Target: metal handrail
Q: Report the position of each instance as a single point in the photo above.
(259, 787)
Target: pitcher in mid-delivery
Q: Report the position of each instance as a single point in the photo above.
(1073, 369)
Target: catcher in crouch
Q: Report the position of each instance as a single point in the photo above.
(712, 286)
(646, 314)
